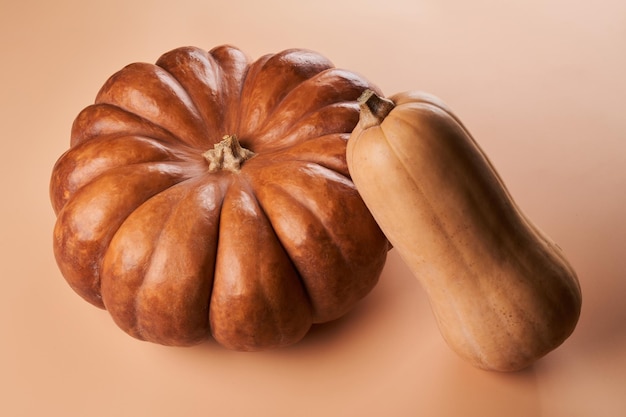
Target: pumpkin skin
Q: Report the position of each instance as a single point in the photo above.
(251, 242)
(502, 292)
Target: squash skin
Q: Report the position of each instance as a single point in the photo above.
(176, 253)
(502, 292)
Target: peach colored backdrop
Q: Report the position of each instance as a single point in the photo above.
(541, 85)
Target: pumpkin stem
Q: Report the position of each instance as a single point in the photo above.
(228, 154)
(374, 109)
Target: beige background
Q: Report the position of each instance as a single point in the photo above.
(541, 85)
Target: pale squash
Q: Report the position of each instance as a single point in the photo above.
(502, 292)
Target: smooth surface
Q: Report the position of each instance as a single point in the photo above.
(539, 84)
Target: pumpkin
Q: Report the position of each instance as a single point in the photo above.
(502, 292)
(208, 195)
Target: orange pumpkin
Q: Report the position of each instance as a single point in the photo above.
(209, 194)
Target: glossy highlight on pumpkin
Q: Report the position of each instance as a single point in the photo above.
(177, 250)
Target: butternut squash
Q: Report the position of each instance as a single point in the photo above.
(502, 292)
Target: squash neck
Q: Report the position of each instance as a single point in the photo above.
(227, 155)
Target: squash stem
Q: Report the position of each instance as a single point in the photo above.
(374, 109)
(228, 155)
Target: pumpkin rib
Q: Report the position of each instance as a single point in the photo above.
(159, 98)
(110, 120)
(270, 79)
(129, 323)
(252, 73)
(323, 84)
(125, 249)
(254, 305)
(333, 302)
(138, 331)
(87, 223)
(338, 117)
(231, 60)
(265, 213)
(144, 128)
(200, 76)
(301, 275)
(328, 151)
(176, 243)
(86, 161)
